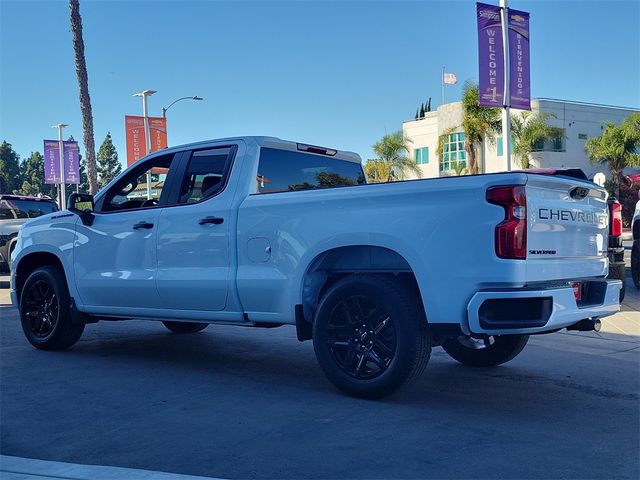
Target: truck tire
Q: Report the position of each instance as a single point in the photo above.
(45, 311)
(618, 272)
(635, 263)
(185, 327)
(370, 335)
(487, 352)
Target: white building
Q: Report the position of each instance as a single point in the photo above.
(579, 122)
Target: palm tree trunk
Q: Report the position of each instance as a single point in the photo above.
(85, 100)
(471, 154)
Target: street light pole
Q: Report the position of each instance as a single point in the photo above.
(147, 131)
(164, 109)
(62, 192)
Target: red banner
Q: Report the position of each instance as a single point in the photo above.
(158, 129)
(137, 140)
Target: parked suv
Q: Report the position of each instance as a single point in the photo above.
(14, 211)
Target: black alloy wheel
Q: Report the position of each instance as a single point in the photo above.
(40, 309)
(185, 327)
(370, 335)
(45, 310)
(362, 337)
(488, 351)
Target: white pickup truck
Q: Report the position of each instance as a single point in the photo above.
(261, 232)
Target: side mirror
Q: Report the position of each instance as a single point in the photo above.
(82, 205)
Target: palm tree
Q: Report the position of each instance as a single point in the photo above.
(458, 167)
(527, 129)
(85, 100)
(618, 146)
(392, 151)
(478, 123)
(376, 171)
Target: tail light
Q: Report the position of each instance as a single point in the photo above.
(616, 219)
(511, 233)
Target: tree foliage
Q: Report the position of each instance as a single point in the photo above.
(618, 147)
(478, 123)
(9, 169)
(392, 151)
(527, 129)
(32, 177)
(376, 171)
(108, 164)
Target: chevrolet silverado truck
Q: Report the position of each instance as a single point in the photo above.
(261, 232)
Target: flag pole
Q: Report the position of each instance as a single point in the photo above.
(506, 99)
(442, 85)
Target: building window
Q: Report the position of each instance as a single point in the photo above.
(555, 144)
(499, 146)
(453, 152)
(422, 155)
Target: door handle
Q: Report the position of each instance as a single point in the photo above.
(143, 225)
(214, 220)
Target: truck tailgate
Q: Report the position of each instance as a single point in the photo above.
(567, 229)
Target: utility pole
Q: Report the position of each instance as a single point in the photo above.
(147, 131)
(506, 99)
(62, 193)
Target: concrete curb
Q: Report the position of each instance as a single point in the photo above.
(17, 468)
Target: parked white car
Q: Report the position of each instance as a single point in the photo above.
(261, 232)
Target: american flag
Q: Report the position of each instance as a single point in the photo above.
(450, 78)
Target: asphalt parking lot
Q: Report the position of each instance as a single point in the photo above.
(232, 402)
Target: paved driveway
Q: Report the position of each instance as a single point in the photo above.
(247, 403)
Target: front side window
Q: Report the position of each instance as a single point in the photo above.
(205, 174)
(141, 187)
(453, 152)
(288, 171)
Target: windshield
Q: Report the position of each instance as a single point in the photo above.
(16, 208)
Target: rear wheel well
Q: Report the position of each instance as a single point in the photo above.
(333, 265)
(29, 263)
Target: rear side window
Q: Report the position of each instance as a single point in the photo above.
(287, 171)
(16, 208)
(206, 174)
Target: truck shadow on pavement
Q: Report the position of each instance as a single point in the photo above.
(245, 357)
(193, 400)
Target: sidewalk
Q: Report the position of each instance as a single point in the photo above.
(17, 468)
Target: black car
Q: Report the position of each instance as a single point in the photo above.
(14, 211)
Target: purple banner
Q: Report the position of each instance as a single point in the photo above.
(51, 161)
(491, 56)
(71, 162)
(519, 67)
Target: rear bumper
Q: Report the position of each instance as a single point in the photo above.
(528, 311)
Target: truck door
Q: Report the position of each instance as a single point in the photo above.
(193, 245)
(115, 257)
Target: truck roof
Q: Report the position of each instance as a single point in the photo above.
(274, 142)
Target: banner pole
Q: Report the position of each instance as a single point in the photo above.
(506, 99)
(62, 192)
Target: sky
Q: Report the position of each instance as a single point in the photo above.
(340, 74)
